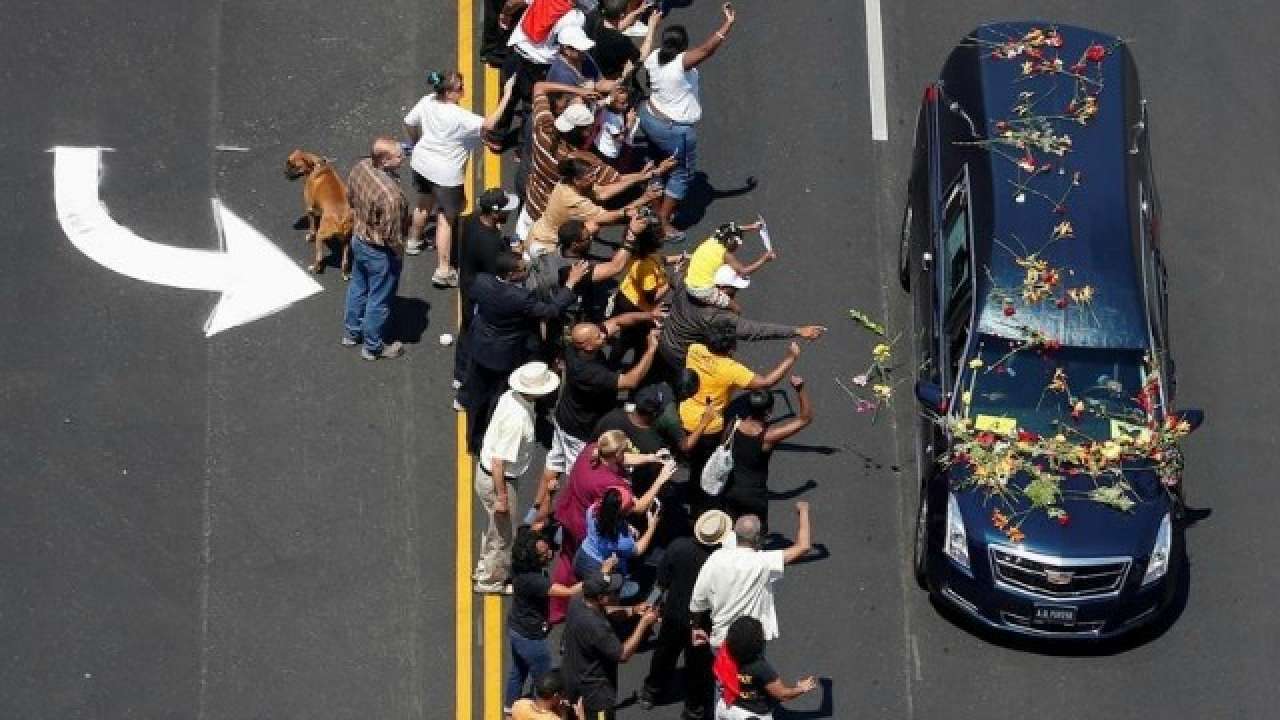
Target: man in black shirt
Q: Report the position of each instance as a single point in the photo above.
(676, 576)
(592, 651)
(613, 49)
(590, 389)
(478, 250)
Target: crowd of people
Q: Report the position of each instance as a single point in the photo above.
(651, 508)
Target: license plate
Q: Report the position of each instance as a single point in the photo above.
(1054, 615)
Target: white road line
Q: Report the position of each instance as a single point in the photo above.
(875, 72)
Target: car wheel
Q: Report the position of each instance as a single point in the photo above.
(904, 250)
(920, 561)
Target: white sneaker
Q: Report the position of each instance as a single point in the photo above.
(446, 279)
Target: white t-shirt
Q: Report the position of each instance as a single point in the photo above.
(614, 133)
(673, 90)
(544, 52)
(449, 135)
(735, 582)
(509, 436)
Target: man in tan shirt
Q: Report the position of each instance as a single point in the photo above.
(571, 200)
(377, 242)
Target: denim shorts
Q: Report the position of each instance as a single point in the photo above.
(667, 139)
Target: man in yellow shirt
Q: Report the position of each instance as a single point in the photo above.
(719, 377)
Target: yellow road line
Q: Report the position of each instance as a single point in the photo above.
(463, 599)
(493, 635)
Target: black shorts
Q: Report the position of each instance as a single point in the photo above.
(449, 200)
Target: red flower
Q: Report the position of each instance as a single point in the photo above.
(986, 438)
(1002, 126)
(1027, 436)
(1061, 302)
(1071, 107)
(1052, 344)
(999, 368)
(1095, 53)
(1053, 40)
(1064, 519)
(1059, 209)
(1078, 68)
(1034, 53)
(1009, 311)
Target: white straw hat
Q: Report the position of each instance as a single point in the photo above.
(535, 379)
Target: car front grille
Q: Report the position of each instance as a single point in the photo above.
(1058, 578)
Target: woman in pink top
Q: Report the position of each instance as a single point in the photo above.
(600, 466)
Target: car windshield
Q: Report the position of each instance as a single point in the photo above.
(1021, 387)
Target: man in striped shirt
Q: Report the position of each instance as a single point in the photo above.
(377, 242)
(556, 138)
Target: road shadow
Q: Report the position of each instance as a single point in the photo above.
(410, 318)
(700, 196)
(825, 708)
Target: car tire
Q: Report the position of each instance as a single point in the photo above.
(904, 248)
(920, 544)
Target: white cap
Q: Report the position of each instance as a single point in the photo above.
(574, 37)
(576, 115)
(726, 277)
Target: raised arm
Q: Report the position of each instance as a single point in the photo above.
(631, 378)
(651, 37)
(643, 502)
(778, 432)
(781, 692)
(507, 91)
(745, 270)
(803, 543)
(695, 57)
(760, 382)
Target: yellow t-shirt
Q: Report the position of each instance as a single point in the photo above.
(643, 280)
(718, 378)
(525, 709)
(703, 264)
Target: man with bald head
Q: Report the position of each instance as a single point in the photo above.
(738, 580)
(377, 244)
(591, 387)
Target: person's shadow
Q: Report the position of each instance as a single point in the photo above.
(409, 319)
(824, 709)
(700, 196)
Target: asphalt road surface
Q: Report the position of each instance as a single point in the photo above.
(259, 524)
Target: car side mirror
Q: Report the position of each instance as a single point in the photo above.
(930, 396)
(1191, 416)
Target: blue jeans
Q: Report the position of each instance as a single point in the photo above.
(375, 273)
(666, 139)
(529, 660)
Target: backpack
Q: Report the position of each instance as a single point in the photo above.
(720, 465)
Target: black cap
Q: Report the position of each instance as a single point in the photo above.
(495, 199)
(651, 400)
(598, 585)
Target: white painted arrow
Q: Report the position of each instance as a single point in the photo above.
(255, 278)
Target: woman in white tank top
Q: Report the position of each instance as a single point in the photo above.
(675, 106)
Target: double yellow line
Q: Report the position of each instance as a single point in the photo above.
(464, 609)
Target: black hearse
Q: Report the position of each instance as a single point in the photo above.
(1030, 246)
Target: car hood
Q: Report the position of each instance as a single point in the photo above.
(1092, 529)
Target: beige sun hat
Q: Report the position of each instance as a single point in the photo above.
(534, 379)
(712, 527)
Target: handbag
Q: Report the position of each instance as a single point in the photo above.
(716, 472)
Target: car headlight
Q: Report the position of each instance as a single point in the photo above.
(1158, 565)
(956, 543)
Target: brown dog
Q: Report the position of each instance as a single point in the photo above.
(324, 200)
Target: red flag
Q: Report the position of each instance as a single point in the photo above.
(541, 16)
(726, 671)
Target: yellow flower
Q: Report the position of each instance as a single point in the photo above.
(884, 392)
(1060, 438)
(976, 363)
(967, 397)
(881, 353)
(1110, 450)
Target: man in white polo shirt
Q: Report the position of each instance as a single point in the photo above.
(738, 580)
(506, 453)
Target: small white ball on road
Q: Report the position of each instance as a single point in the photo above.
(446, 339)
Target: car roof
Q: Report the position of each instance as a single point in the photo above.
(1101, 253)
